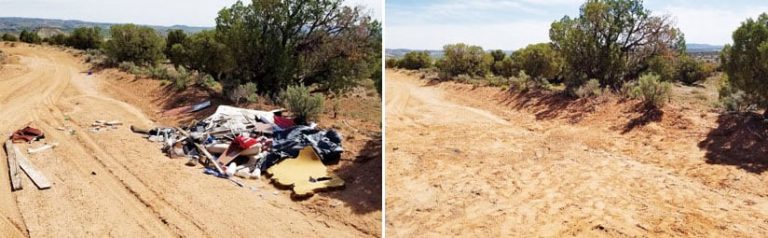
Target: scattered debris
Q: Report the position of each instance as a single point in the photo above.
(100, 125)
(306, 174)
(42, 148)
(243, 142)
(27, 134)
(35, 175)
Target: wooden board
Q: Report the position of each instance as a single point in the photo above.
(35, 175)
(306, 174)
(13, 166)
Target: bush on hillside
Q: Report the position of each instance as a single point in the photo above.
(9, 37)
(85, 38)
(589, 89)
(303, 105)
(415, 60)
(652, 90)
(465, 59)
(138, 44)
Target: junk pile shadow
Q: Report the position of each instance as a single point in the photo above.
(363, 179)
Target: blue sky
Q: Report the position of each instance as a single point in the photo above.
(150, 12)
(512, 24)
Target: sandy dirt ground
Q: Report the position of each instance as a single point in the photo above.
(116, 184)
(479, 162)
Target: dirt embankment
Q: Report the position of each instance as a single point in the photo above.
(484, 162)
(115, 183)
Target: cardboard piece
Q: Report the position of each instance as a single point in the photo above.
(306, 174)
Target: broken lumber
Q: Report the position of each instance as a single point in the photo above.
(202, 150)
(42, 148)
(35, 175)
(13, 166)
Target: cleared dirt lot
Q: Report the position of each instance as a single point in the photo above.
(115, 183)
(482, 162)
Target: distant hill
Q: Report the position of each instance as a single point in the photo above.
(703, 48)
(692, 48)
(48, 26)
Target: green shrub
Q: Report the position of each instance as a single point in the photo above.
(731, 98)
(85, 38)
(207, 81)
(415, 60)
(9, 37)
(465, 59)
(30, 37)
(522, 82)
(391, 63)
(652, 90)
(126, 66)
(590, 88)
(159, 72)
(496, 81)
(138, 44)
(690, 71)
(181, 78)
(301, 103)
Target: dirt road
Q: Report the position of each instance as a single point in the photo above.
(454, 169)
(115, 183)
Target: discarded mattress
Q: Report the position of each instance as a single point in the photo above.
(305, 174)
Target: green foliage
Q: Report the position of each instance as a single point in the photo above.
(496, 81)
(746, 61)
(498, 55)
(30, 37)
(391, 63)
(280, 43)
(204, 53)
(207, 81)
(522, 82)
(465, 59)
(58, 39)
(9, 37)
(415, 60)
(247, 92)
(611, 41)
(732, 99)
(652, 90)
(181, 78)
(126, 66)
(663, 66)
(690, 71)
(303, 105)
(174, 37)
(85, 38)
(138, 44)
(590, 88)
(540, 61)
(377, 79)
(506, 68)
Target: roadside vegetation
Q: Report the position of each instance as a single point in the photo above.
(318, 46)
(612, 46)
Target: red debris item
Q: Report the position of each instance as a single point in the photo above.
(27, 134)
(283, 122)
(245, 142)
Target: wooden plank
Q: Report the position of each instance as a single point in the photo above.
(13, 166)
(35, 175)
(201, 149)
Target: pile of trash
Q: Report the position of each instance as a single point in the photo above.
(244, 142)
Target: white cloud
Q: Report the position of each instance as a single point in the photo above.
(710, 25)
(508, 36)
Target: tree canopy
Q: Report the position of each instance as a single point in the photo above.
(746, 61)
(611, 40)
(137, 44)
